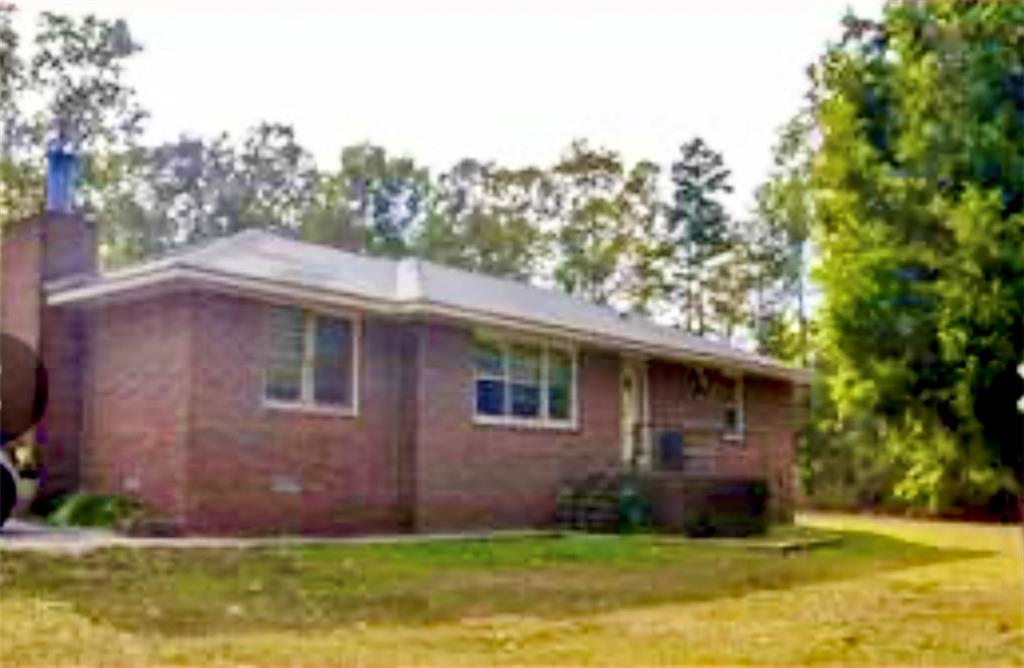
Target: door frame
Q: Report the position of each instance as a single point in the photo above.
(631, 446)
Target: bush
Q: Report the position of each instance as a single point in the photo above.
(634, 508)
(95, 510)
(45, 505)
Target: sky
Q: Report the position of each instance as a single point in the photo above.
(513, 82)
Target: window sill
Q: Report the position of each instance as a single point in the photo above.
(733, 439)
(525, 424)
(310, 409)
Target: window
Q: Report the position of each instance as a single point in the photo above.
(332, 362)
(489, 362)
(311, 360)
(287, 351)
(560, 382)
(525, 376)
(732, 410)
(523, 382)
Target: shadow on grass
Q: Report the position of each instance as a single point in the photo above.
(186, 592)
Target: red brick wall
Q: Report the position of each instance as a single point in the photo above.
(59, 433)
(408, 424)
(137, 386)
(20, 258)
(767, 449)
(345, 468)
(175, 407)
(471, 476)
(70, 241)
(412, 458)
(774, 415)
(34, 250)
(37, 249)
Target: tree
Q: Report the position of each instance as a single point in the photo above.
(777, 239)
(727, 280)
(486, 219)
(71, 91)
(15, 180)
(699, 228)
(373, 202)
(919, 224)
(589, 240)
(274, 181)
(388, 194)
(648, 253)
(334, 217)
(193, 189)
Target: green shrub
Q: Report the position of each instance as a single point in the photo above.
(45, 505)
(95, 510)
(634, 508)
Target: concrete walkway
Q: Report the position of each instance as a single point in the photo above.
(19, 535)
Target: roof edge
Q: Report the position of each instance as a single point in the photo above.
(83, 293)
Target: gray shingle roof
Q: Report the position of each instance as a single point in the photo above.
(260, 262)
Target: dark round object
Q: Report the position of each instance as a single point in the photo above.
(23, 388)
(8, 495)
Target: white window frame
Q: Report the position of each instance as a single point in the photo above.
(505, 342)
(737, 401)
(306, 402)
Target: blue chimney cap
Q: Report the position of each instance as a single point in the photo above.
(61, 173)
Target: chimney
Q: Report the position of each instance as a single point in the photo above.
(55, 244)
(68, 238)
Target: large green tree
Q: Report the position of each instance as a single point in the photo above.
(776, 239)
(488, 219)
(919, 223)
(194, 189)
(386, 195)
(611, 242)
(648, 252)
(590, 241)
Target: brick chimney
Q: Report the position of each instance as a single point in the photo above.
(59, 243)
(68, 238)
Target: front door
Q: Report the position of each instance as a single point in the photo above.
(630, 393)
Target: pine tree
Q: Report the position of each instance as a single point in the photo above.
(698, 226)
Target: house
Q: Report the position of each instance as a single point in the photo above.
(259, 384)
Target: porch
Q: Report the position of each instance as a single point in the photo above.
(701, 461)
(692, 449)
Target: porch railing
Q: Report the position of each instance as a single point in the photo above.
(690, 447)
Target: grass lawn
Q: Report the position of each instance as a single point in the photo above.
(889, 591)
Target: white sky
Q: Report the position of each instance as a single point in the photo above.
(513, 82)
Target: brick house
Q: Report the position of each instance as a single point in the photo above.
(259, 384)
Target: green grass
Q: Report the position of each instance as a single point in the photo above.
(889, 591)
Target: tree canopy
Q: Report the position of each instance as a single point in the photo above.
(918, 221)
